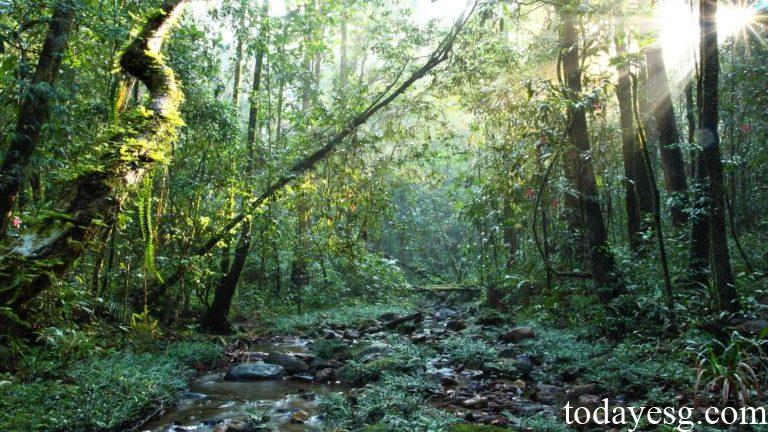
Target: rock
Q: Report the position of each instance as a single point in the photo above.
(303, 377)
(331, 334)
(446, 376)
(520, 384)
(406, 328)
(325, 375)
(351, 334)
(575, 392)
(588, 401)
(191, 395)
(321, 363)
(254, 371)
(367, 351)
(490, 319)
(241, 426)
(456, 325)
(305, 357)
(419, 337)
(752, 327)
(524, 364)
(475, 402)
(290, 363)
(517, 334)
(389, 316)
(299, 417)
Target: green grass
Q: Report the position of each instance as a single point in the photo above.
(103, 393)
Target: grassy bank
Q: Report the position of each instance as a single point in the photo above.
(103, 392)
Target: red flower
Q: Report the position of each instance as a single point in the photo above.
(16, 222)
(745, 128)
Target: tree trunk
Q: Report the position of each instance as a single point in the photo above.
(605, 275)
(722, 273)
(34, 109)
(215, 318)
(628, 144)
(95, 196)
(672, 160)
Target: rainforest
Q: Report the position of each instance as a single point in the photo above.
(383, 215)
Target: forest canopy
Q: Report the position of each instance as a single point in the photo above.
(481, 209)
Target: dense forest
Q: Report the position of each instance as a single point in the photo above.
(383, 215)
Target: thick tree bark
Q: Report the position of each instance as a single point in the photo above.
(34, 109)
(605, 275)
(215, 318)
(94, 198)
(672, 160)
(722, 273)
(629, 146)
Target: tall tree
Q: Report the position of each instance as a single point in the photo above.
(608, 282)
(140, 141)
(672, 161)
(629, 146)
(215, 318)
(709, 136)
(34, 109)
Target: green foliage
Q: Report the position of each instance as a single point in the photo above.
(469, 350)
(359, 316)
(329, 348)
(737, 370)
(395, 403)
(98, 394)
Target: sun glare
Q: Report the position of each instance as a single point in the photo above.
(678, 28)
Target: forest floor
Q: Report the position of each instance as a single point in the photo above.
(429, 365)
(434, 363)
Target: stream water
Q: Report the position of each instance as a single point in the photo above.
(211, 402)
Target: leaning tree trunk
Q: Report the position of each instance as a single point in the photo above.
(93, 200)
(215, 318)
(722, 273)
(605, 275)
(34, 109)
(672, 160)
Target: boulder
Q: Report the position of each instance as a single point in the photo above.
(325, 375)
(254, 371)
(518, 334)
(303, 377)
(289, 362)
(369, 350)
(388, 316)
(588, 401)
(475, 402)
(331, 334)
(446, 376)
(456, 325)
(321, 363)
(299, 417)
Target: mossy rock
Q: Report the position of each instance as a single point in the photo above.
(475, 428)
(366, 350)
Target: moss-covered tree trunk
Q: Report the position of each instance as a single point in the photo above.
(93, 200)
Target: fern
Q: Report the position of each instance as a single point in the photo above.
(144, 212)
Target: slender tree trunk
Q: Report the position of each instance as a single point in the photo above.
(607, 281)
(216, 317)
(628, 144)
(672, 160)
(720, 265)
(690, 117)
(34, 109)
